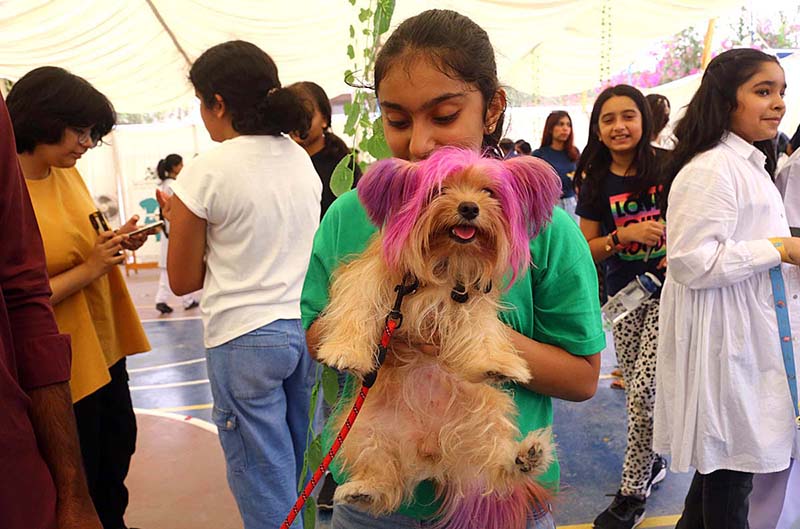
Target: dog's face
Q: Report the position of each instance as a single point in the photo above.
(457, 217)
(461, 233)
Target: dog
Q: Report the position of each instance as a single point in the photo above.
(461, 225)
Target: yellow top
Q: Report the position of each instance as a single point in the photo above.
(101, 317)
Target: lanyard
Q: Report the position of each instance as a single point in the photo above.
(785, 333)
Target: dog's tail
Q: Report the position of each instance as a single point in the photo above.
(479, 510)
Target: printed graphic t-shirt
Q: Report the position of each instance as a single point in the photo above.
(615, 208)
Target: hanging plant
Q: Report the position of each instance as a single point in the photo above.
(368, 140)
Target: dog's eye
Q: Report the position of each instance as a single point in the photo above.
(488, 191)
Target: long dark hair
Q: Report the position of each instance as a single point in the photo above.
(457, 45)
(595, 161)
(166, 165)
(246, 79)
(708, 115)
(47, 100)
(547, 135)
(335, 147)
(659, 108)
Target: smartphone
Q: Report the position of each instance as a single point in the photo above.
(149, 228)
(98, 221)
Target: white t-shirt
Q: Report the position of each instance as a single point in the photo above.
(722, 396)
(260, 197)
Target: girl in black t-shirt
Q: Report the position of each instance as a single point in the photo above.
(619, 216)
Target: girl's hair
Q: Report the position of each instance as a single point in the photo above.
(595, 161)
(48, 100)
(456, 45)
(659, 108)
(246, 79)
(335, 147)
(708, 115)
(166, 165)
(547, 135)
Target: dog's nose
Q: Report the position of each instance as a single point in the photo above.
(468, 210)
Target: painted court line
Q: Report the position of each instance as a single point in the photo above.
(185, 408)
(166, 366)
(651, 522)
(169, 385)
(178, 318)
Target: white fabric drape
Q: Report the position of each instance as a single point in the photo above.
(122, 48)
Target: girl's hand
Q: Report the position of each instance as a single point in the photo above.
(104, 254)
(165, 201)
(789, 248)
(648, 232)
(134, 242)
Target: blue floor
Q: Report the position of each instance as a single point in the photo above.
(590, 435)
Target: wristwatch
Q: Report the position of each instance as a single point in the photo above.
(613, 244)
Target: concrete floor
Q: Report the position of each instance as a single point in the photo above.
(172, 378)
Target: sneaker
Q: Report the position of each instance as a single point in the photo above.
(192, 305)
(163, 308)
(325, 498)
(657, 474)
(625, 512)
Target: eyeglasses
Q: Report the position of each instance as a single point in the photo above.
(86, 135)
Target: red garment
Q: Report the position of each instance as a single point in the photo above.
(32, 352)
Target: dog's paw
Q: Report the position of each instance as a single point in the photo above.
(497, 369)
(535, 454)
(357, 363)
(367, 498)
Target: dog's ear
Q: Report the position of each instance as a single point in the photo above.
(536, 186)
(386, 187)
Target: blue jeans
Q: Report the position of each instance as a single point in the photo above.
(261, 383)
(348, 517)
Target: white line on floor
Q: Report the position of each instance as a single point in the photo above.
(169, 385)
(167, 366)
(176, 318)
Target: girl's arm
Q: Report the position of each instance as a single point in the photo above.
(602, 247)
(556, 372)
(102, 259)
(187, 247)
(703, 215)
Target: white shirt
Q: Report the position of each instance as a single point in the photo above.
(788, 182)
(260, 197)
(165, 187)
(722, 397)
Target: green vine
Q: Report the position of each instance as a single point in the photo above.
(366, 131)
(368, 137)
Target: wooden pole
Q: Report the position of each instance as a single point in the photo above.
(706, 57)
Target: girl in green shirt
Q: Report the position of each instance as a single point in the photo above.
(436, 83)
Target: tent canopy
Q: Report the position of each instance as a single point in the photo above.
(138, 52)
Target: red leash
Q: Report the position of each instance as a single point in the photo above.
(393, 322)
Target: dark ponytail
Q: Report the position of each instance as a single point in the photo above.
(166, 165)
(246, 79)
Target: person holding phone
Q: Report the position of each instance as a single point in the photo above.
(57, 117)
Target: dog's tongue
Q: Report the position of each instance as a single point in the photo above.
(464, 232)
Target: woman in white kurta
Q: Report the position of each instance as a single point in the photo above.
(168, 170)
(723, 402)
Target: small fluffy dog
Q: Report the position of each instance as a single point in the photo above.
(461, 224)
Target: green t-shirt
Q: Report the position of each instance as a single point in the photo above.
(556, 303)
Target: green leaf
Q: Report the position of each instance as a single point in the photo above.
(364, 15)
(366, 32)
(310, 513)
(342, 177)
(330, 385)
(353, 113)
(314, 454)
(383, 16)
(352, 2)
(351, 52)
(377, 146)
(352, 29)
